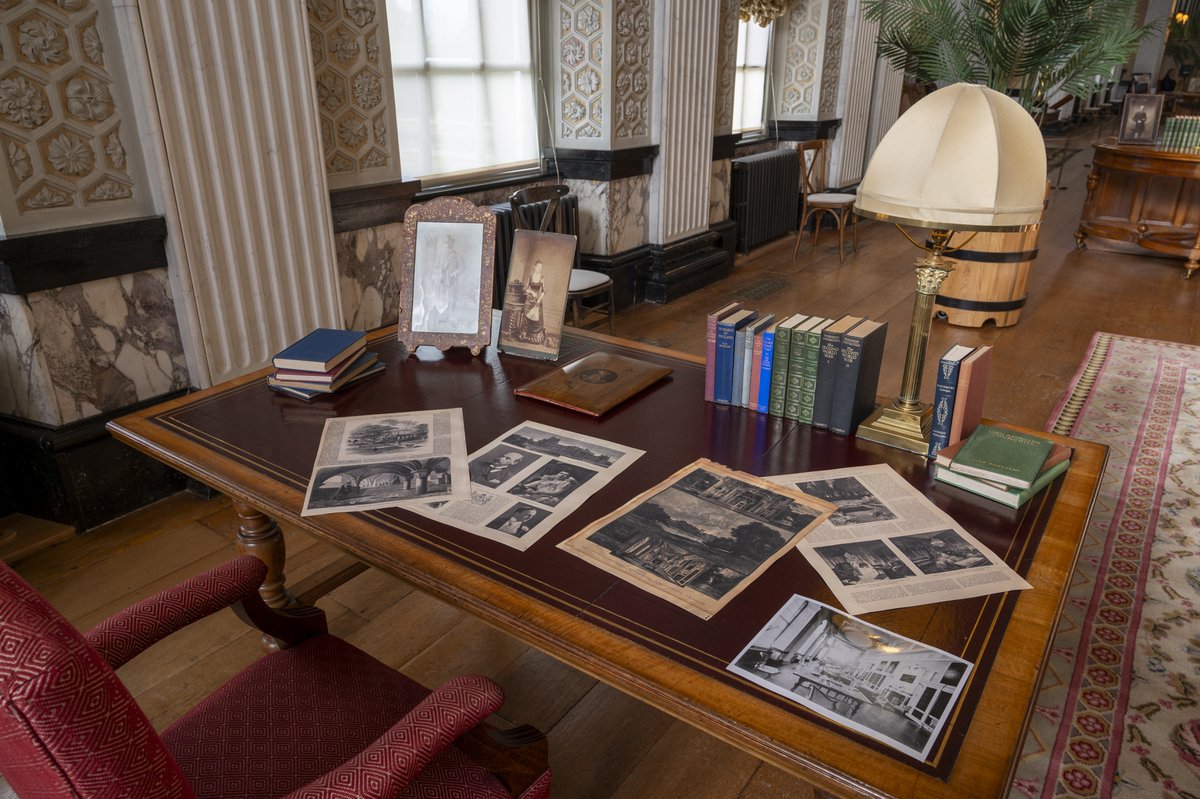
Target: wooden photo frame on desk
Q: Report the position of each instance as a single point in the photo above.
(446, 275)
(1141, 117)
(535, 299)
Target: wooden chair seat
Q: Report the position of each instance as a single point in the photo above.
(817, 201)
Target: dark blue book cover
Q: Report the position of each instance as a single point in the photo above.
(766, 365)
(857, 381)
(727, 330)
(827, 368)
(320, 349)
(943, 396)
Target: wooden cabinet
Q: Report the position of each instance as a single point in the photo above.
(1149, 197)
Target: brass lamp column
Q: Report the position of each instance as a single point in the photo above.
(964, 158)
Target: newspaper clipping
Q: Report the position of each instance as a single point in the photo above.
(893, 689)
(388, 460)
(529, 479)
(698, 538)
(887, 546)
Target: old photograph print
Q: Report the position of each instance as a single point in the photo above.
(863, 562)
(940, 551)
(347, 486)
(888, 687)
(535, 297)
(382, 436)
(499, 465)
(518, 520)
(701, 536)
(446, 277)
(564, 446)
(855, 503)
(552, 483)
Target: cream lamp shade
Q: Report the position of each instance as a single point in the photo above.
(962, 158)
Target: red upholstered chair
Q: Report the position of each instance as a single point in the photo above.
(317, 719)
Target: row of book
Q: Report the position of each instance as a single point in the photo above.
(323, 362)
(814, 370)
(1180, 134)
(1003, 465)
(958, 395)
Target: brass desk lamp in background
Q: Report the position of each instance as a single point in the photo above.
(964, 158)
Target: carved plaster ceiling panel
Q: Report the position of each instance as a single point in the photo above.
(631, 77)
(831, 69)
(727, 43)
(581, 69)
(800, 83)
(351, 100)
(60, 127)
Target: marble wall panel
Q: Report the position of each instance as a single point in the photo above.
(368, 263)
(718, 200)
(593, 215)
(628, 213)
(25, 390)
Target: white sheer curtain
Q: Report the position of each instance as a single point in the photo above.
(749, 88)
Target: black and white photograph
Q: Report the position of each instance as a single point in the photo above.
(940, 551)
(535, 297)
(861, 562)
(499, 465)
(855, 502)
(701, 536)
(518, 520)
(553, 482)
(348, 486)
(384, 436)
(561, 446)
(446, 277)
(1140, 118)
(892, 689)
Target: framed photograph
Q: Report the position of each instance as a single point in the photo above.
(446, 275)
(1141, 83)
(535, 299)
(701, 536)
(1140, 119)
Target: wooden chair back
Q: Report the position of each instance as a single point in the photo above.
(814, 175)
(553, 219)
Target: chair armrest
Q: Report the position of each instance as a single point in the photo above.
(130, 632)
(403, 752)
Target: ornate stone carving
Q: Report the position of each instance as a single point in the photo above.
(727, 38)
(352, 132)
(115, 150)
(23, 101)
(360, 12)
(631, 72)
(581, 68)
(368, 91)
(88, 99)
(70, 155)
(831, 65)
(46, 196)
(93, 48)
(42, 41)
(803, 35)
(18, 159)
(109, 189)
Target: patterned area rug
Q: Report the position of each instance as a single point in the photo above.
(1117, 712)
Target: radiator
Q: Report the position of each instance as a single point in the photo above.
(532, 216)
(765, 196)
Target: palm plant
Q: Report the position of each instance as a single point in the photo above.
(1028, 48)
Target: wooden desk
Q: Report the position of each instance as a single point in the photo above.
(258, 446)
(1149, 197)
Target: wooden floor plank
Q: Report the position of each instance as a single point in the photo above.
(687, 762)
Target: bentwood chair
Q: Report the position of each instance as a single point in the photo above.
(817, 201)
(585, 283)
(318, 719)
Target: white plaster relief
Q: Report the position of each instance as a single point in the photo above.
(581, 70)
(631, 75)
(726, 67)
(831, 69)
(802, 35)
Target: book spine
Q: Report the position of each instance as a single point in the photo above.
(739, 367)
(943, 405)
(808, 378)
(779, 368)
(827, 369)
(710, 356)
(750, 367)
(841, 410)
(755, 368)
(766, 372)
(723, 377)
(866, 386)
(795, 378)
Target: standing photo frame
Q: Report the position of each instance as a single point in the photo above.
(535, 298)
(448, 254)
(1141, 117)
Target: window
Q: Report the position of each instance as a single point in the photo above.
(464, 78)
(750, 80)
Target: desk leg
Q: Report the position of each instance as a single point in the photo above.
(260, 536)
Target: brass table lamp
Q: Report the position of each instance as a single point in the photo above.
(964, 158)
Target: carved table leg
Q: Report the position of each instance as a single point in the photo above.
(261, 537)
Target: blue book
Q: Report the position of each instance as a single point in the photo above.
(943, 397)
(320, 350)
(727, 330)
(750, 366)
(766, 366)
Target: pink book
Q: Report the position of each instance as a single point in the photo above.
(710, 346)
(972, 390)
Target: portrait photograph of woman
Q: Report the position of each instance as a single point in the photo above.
(535, 296)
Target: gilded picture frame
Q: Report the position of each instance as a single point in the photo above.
(446, 263)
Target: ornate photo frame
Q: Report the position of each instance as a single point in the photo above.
(1141, 118)
(446, 267)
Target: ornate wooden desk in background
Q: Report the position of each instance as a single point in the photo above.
(258, 447)
(1149, 197)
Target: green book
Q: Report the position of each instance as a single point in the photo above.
(808, 379)
(795, 369)
(1002, 456)
(779, 362)
(1012, 497)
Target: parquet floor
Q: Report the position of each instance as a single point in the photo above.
(602, 743)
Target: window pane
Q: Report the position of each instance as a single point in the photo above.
(507, 25)
(404, 33)
(452, 33)
(751, 77)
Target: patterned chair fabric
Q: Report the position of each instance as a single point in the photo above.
(322, 719)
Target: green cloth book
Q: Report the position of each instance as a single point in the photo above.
(1002, 456)
(779, 363)
(811, 357)
(1012, 497)
(795, 375)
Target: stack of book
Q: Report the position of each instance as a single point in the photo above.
(322, 362)
(814, 370)
(1181, 134)
(1003, 465)
(958, 396)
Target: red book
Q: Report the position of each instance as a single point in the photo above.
(710, 346)
(972, 389)
(327, 378)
